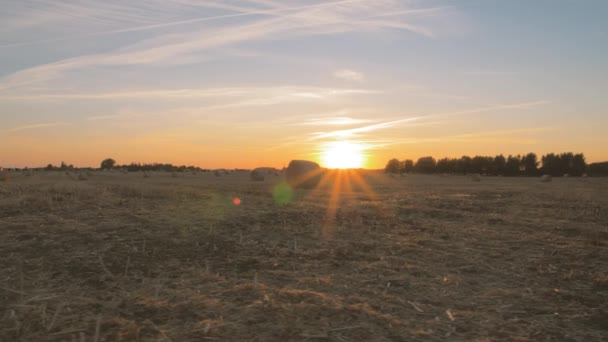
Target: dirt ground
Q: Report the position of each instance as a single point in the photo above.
(120, 257)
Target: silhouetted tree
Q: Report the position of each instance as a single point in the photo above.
(551, 164)
(579, 165)
(598, 169)
(443, 166)
(500, 163)
(512, 166)
(407, 166)
(425, 165)
(530, 164)
(108, 164)
(392, 166)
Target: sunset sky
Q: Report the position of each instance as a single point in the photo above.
(260, 82)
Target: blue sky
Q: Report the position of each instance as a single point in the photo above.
(260, 82)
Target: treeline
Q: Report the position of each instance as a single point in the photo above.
(109, 164)
(598, 169)
(512, 165)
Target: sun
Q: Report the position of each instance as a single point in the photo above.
(343, 155)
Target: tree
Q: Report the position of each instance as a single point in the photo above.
(108, 164)
(425, 165)
(512, 167)
(408, 165)
(579, 165)
(499, 164)
(530, 164)
(392, 166)
(551, 164)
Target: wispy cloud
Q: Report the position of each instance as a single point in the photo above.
(343, 133)
(421, 120)
(38, 125)
(334, 121)
(349, 75)
(252, 95)
(186, 46)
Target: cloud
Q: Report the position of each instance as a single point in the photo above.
(349, 75)
(420, 120)
(333, 121)
(252, 95)
(35, 126)
(186, 45)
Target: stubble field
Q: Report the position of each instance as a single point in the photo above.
(120, 257)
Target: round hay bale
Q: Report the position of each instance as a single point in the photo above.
(546, 178)
(476, 177)
(82, 177)
(257, 175)
(303, 174)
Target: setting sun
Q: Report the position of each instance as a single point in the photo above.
(343, 155)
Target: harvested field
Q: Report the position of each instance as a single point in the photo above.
(120, 257)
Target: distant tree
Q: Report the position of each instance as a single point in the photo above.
(500, 163)
(551, 164)
(579, 165)
(512, 166)
(463, 165)
(408, 165)
(63, 166)
(108, 164)
(49, 167)
(425, 165)
(443, 165)
(530, 164)
(392, 166)
(598, 169)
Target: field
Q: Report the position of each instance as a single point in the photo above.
(120, 257)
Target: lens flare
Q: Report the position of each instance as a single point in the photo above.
(282, 193)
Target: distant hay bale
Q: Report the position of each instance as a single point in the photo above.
(82, 177)
(476, 177)
(566, 175)
(546, 178)
(217, 173)
(257, 175)
(303, 174)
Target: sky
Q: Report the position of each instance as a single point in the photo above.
(260, 82)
